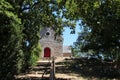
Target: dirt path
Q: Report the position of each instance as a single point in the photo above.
(72, 69)
(62, 73)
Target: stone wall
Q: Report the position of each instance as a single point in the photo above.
(67, 55)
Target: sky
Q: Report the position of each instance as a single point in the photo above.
(69, 39)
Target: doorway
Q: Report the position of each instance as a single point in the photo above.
(47, 52)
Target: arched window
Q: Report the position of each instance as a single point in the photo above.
(47, 52)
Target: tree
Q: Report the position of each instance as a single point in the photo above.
(81, 42)
(21, 22)
(10, 41)
(101, 17)
(35, 15)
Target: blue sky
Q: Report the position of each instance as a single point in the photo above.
(70, 38)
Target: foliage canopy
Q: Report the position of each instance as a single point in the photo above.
(22, 20)
(20, 25)
(100, 23)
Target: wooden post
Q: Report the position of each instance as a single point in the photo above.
(52, 70)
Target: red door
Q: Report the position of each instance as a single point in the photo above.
(47, 52)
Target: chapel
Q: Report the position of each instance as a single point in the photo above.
(51, 46)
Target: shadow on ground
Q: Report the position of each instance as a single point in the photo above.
(45, 78)
(90, 68)
(36, 73)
